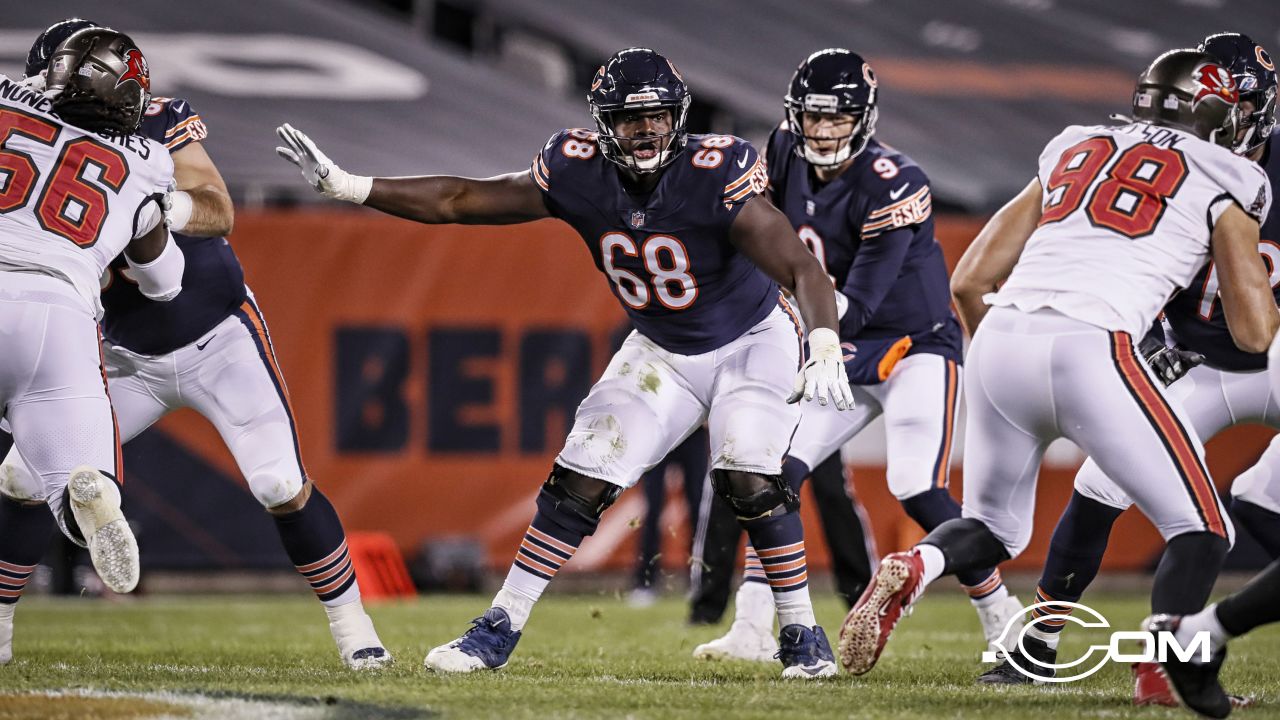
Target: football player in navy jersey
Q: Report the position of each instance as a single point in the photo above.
(1229, 388)
(864, 209)
(208, 349)
(696, 259)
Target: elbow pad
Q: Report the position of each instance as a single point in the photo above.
(160, 279)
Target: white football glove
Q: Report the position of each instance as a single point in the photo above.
(823, 377)
(318, 170)
(176, 205)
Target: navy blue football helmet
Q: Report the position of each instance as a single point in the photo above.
(1255, 75)
(49, 40)
(639, 79)
(833, 81)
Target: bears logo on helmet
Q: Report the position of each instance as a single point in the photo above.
(136, 70)
(1214, 80)
(1264, 59)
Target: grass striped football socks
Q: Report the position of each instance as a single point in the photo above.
(25, 533)
(317, 545)
(546, 547)
(779, 544)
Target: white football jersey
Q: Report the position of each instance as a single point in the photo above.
(1127, 214)
(70, 200)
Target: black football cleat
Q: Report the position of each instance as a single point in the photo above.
(1195, 685)
(1007, 674)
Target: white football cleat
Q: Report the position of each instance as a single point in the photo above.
(742, 642)
(95, 504)
(358, 643)
(996, 618)
(750, 637)
(6, 632)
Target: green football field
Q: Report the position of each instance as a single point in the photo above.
(581, 656)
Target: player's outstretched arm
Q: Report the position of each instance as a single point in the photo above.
(1244, 285)
(763, 234)
(992, 255)
(156, 263)
(201, 205)
(431, 199)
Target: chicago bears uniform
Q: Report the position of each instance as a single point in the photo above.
(210, 350)
(673, 222)
(690, 358)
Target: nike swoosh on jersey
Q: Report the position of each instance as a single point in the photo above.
(177, 105)
(743, 162)
(203, 345)
(895, 194)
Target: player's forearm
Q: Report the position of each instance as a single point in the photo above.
(206, 211)
(970, 308)
(812, 290)
(430, 199)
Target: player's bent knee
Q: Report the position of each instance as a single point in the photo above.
(752, 495)
(969, 543)
(279, 493)
(575, 501)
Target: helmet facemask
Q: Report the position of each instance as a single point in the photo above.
(1255, 127)
(621, 149)
(847, 146)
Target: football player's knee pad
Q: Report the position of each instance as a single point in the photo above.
(967, 544)
(273, 489)
(575, 501)
(752, 495)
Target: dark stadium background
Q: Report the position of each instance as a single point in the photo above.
(434, 369)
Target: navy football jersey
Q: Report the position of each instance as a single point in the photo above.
(212, 284)
(1195, 314)
(881, 191)
(667, 253)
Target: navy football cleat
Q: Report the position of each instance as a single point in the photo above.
(805, 653)
(487, 645)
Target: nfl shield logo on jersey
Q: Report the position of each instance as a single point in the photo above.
(809, 208)
(637, 218)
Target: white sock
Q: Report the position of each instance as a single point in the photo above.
(1205, 620)
(995, 596)
(934, 562)
(518, 598)
(794, 608)
(753, 606)
(1049, 638)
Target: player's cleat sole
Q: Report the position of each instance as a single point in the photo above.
(449, 659)
(95, 504)
(867, 627)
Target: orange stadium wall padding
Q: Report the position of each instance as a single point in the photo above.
(434, 372)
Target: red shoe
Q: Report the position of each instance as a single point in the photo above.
(897, 584)
(1151, 687)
